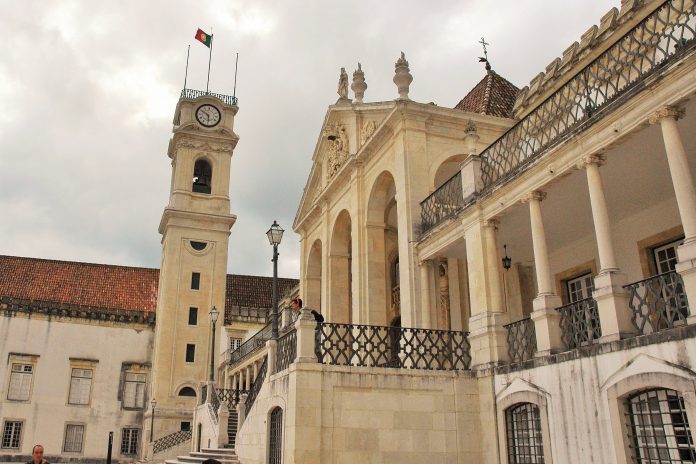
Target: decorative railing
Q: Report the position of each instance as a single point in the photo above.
(658, 303)
(286, 350)
(230, 396)
(256, 386)
(204, 394)
(214, 402)
(191, 94)
(254, 343)
(443, 203)
(579, 323)
(663, 37)
(521, 339)
(171, 440)
(400, 347)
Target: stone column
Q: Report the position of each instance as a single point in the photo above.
(611, 298)
(426, 271)
(493, 265)
(234, 382)
(247, 377)
(685, 193)
(272, 352)
(305, 326)
(545, 317)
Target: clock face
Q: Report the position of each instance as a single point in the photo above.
(208, 115)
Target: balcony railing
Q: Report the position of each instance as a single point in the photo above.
(443, 203)
(286, 350)
(256, 342)
(256, 386)
(230, 396)
(171, 440)
(658, 303)
(580, 323)
(386, 346)
(665, 36)
(521, 338)
(191, 94)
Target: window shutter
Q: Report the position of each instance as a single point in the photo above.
(20, 382)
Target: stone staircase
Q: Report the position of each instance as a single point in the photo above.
(225, 456)
(232, 429)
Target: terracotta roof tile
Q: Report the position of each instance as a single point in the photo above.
(254, 291)
(493, 95)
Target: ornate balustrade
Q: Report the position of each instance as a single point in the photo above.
(245, 314)
(191, 94)
(256, 386)
(521, 338)
(229, 396)
(214, 402)
(580, 323)
(664, 37)
(171, 440)
(658, 303)
(256, 342)
(399, 347)
(286, 350)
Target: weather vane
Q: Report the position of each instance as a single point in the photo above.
(484, 58)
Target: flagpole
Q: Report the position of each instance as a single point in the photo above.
(188, 52)
(210, 57)
(234, 92)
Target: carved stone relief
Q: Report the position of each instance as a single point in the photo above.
(337, 148)
(367, 130)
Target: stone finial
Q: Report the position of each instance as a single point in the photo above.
(359, 86)
(402, 77)
(343, 87)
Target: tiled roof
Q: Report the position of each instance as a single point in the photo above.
(493, 95)
(113, 287)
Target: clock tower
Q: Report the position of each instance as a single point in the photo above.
(195, 228)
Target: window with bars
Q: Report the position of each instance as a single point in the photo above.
(12, 434)
(134, 390)
(20, 382)
(523, 427)
(80, 386)
(74, 437)
(658, 427)
(130, 440)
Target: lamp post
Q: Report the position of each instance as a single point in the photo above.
(213, 318)
(275, 235)
(153, 403)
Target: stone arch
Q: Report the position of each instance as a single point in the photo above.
(202, 176)
(444, 169)
(340, 278)
(382, 251)
(187, 391)
(312, 290)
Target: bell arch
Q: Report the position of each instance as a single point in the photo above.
(340, 261)
(202, 176)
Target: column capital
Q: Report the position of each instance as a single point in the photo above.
(671, 112)
(492, 222)
(597, 159)
(536, 195)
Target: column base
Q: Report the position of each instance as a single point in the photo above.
(612, 305)
(547, 324)
(488, 339)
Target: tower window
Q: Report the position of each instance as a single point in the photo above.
(190, 352)
(193, 316)
(195, 280)
(187, 391)
(198, 246)
(202, 176)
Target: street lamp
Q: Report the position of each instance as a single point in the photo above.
(275, 235)
(153, 403)
(213, 318)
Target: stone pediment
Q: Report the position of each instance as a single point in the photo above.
(643, 364)
(519, 385)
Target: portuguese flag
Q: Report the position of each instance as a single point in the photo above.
(204, 38)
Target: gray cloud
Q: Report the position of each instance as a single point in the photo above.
(88, 90)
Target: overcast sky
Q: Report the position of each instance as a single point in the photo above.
(88, 91)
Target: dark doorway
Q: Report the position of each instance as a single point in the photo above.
(275, 448)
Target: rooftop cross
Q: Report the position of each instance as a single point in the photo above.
(484, 58)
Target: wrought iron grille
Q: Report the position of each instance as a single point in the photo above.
(579, 323)
(524, 441)
(204, 394)
(521, 339)
(275, 445)
(214, 402)
(658, 303)
(286, 350)
(658, 428)
(399, 347)
(256, 385)
(191, 94)
(171, 440)
(230, 396)
(443, 203)
(253, 344)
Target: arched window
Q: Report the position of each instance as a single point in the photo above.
(659, 429)
(275, 445)
(523, 430)
(202, 176)
(187, 391)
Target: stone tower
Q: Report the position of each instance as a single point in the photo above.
(195, 228)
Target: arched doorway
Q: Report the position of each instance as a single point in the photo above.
(312, 291)
(340, 277)
(275, 444)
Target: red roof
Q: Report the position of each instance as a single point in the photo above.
(493, 95)
(113, 287)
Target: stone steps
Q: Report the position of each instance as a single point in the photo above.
(225, 456)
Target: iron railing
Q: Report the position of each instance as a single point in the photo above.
(214, 402)
(658, 303)
(171, 440)
(443, 203)
(256, 386)
(286, 350)
(521, 339)
(660, 39)
(580, 323)
(399, 347)
(230, 396)
(191, 94)
(204, 394)
(253, 344)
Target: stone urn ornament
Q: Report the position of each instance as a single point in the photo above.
(402, 77)
(359, 86)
